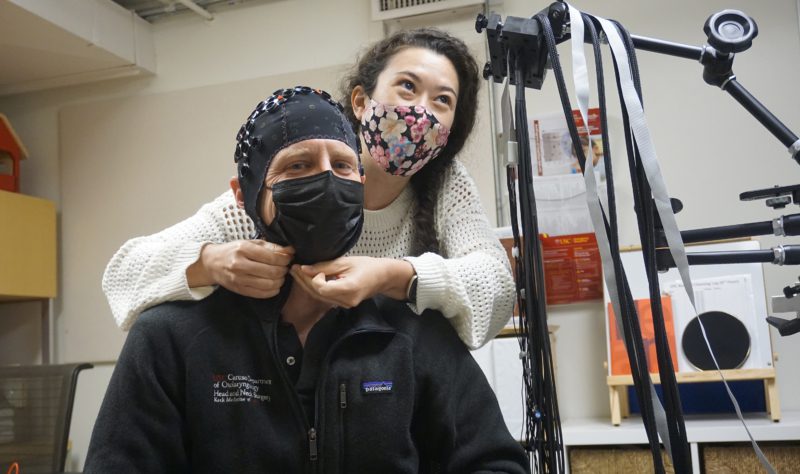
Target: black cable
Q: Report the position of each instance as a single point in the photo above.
(601, 94)
(544, 420)
(646, 220)
(633, 339)
(522, 332)
(642, 395)
(519, 281)
(547, 448)
(627, 305)
(613, 229)
(681, 455)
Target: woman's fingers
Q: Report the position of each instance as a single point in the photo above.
(345, 291)
(261, 251)
(306, 282)
(330, 268)
(252, 268)
(245, 267)
(319, 281)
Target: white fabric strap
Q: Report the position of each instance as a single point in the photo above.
(641, 133)
(581, 82)
(508, 142)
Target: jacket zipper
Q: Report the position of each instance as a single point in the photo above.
(312, 444)
(342, 429)
(324, 373)
(342, 396)
(295, 402)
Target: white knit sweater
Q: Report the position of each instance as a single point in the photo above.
(471, 283)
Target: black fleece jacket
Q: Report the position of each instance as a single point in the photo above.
(198, 388)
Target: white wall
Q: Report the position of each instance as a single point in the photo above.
(709, 149)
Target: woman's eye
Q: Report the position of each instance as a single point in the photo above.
(408, 85)
(444, 99)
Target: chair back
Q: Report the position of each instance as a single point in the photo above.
(35, 412)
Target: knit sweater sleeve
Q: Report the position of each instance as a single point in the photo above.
(150, 270)
(471, 283)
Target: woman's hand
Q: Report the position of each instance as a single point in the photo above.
(254, 268)
(347, 281)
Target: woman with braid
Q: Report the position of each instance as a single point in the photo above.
(425, 239)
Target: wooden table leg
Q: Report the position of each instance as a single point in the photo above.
(624, 402)
(613, 394)
(766, 396)
(773, 402)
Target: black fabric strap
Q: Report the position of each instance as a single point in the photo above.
(633, 336)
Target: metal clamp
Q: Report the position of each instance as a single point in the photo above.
(795, 148)
(777, 227)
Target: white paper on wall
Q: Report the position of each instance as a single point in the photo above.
(732, 294)
(561, 205)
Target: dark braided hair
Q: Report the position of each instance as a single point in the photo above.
(427, 182)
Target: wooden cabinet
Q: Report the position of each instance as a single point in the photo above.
(27, 247)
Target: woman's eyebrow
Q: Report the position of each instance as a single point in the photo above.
(410, 74)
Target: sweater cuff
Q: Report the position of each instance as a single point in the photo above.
(431, 281)
(176, 283)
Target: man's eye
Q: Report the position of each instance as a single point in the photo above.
(297, 166)
(344, 165)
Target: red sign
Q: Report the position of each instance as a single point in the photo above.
(573, 271)
(594, 121)
(572, 268)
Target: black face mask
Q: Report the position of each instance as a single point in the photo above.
(320, 215)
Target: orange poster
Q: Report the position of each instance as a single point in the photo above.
(619, 356)
(573, 271)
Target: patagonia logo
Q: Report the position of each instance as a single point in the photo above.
(382, 386)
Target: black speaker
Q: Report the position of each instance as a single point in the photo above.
(727, 336)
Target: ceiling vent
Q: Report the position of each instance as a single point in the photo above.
(383, 10)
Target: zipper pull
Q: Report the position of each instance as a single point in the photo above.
(342, 395)
(312, 444)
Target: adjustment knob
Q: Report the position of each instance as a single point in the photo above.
(730, 31)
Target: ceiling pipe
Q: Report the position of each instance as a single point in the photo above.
(197, 9)
(190, 4)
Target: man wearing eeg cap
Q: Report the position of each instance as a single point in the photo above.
(319, 214)
(291, 384)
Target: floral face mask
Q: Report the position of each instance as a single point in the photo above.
(402, 138)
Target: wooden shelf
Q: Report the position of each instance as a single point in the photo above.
(725, 428)
(618, 388)
(704, 376)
